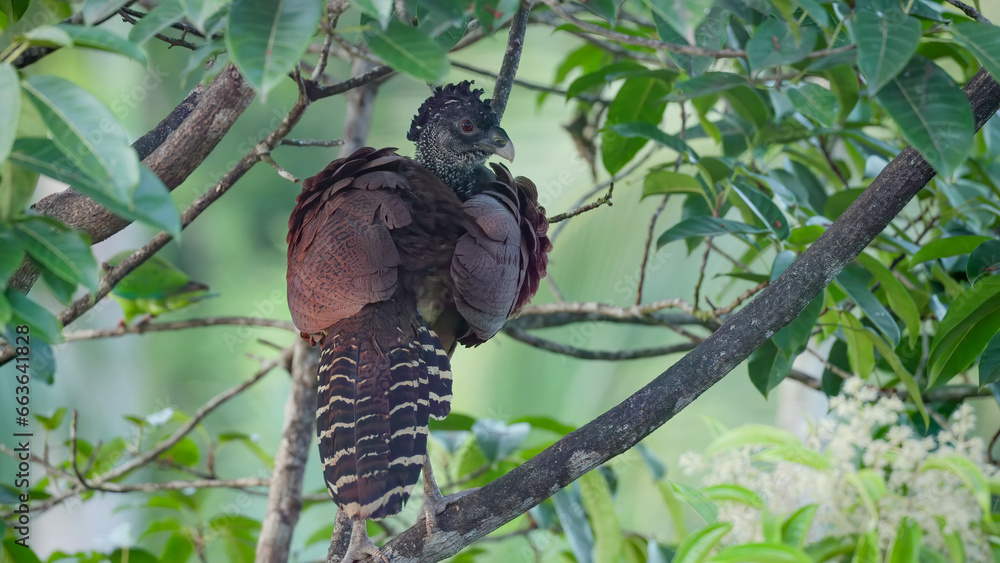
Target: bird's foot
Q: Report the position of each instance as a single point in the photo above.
(362, 546)
(435, 504)
(144, 322)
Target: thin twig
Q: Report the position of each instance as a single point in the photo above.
(969, 11)
(173, 42)
(528, 85)
(603, 200)
(720, 311)
(266, 157)
(312, 142)
(92, 334)
(317, 92)
(609, 355)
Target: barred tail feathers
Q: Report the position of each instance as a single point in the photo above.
(378, 386)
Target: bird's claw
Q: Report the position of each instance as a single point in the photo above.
(362, 546)
(437, 504)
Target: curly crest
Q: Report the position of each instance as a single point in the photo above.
(462, 93)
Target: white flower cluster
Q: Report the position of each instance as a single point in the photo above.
(874, 475)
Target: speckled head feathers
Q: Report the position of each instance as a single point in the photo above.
(453, 98)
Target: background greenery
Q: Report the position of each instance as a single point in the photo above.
(238, 248)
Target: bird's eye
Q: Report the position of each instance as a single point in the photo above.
(467, 125)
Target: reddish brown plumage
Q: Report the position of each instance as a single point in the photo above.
(373, 237)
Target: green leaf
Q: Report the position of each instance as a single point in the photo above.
(16, 553)
(43, 323)
(950, 246)
(10, 108)
(796, 528)
(14, 9)
(860, 350)
(96, 10)
(17, 185)
(184, 453)
(409, 50)
(932, 113)
(815, 102)
(103, 40)
(266, 39)
(983, 40)
(602, 8)
(887, 38)
(6, 311)
(596, 496)
(971, 477)
(906, 548)
(989, 363)
(775, 43)
(889, 355)
(66, 253)
(706, 509)
(793, 338)
(166, 13)
(763, 208)
(666, 182)
(86, 132)
(761, 553)
(752, 435)
(639, 99)
(711, 34)
(794, 454)
(52, 422)
(851, 282)
(768, 366)
(497, 439)
(572, 519)
(696, 547)
(985, 258)
(601, 77)
(149, 203)
(705, 226)
(844, 83)
(378, 10)
(49, 36)
(654, 133)
(971, 322)
(900, 299)
(544, 423)
(681, 15)
(733, 493)
(705, 85)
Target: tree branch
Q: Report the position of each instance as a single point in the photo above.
(620, 428)
(92, 334)
(284, 501)
(584, 354)
(511, 58)
(603, 200)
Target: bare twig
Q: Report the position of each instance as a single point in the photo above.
(317, 92)
(969, 11)
(603, 200)
(266, 157)
(91, 334)
(528, 85)
(312, 142)
(722, 311)
(172, 41)
(584, 354)
(646, 249)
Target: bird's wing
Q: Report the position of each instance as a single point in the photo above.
(500, 260)
(341, 255)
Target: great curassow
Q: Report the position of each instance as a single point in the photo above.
(391, 262)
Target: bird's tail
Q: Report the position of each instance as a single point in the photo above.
(382, 374)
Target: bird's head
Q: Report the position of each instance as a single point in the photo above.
(455, 132)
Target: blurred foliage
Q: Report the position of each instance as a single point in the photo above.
(768, 131)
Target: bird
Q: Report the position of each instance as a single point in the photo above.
(154, 288)
(392, 262)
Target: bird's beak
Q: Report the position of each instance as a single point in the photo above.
(499, 143)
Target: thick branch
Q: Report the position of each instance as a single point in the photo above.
(511, 58)
(91, 334)
(284, 502)
(620, 428)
